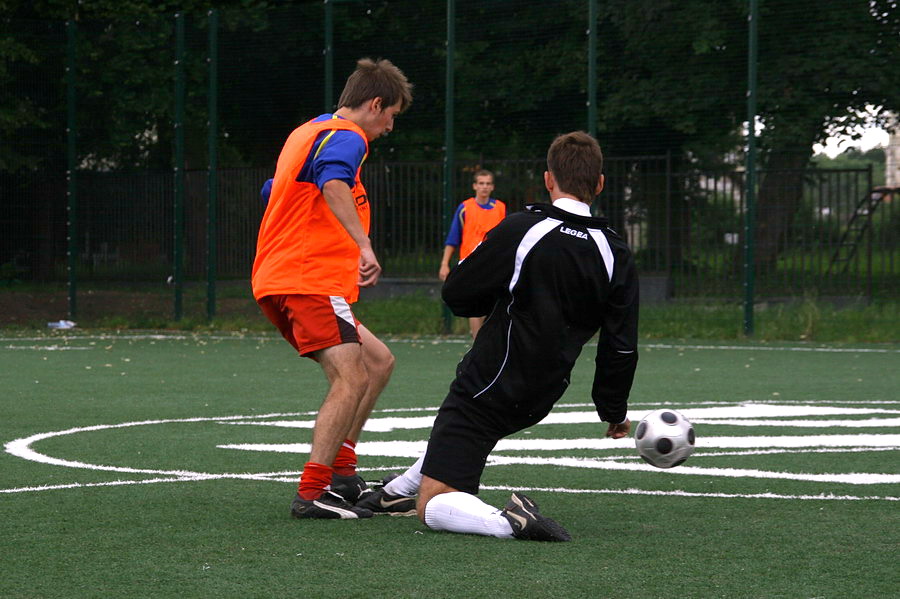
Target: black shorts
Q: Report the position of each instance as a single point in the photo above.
(464, 434)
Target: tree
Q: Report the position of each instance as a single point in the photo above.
(674, 79)
(814, 82)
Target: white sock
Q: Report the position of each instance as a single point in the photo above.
(462, 512)
(408, 483)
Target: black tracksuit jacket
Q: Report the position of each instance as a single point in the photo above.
(543, 278)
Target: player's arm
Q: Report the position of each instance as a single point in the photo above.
(445, 262)
(617, 353)
(473, 287)
(340, 201)
(453, 241)
(334, 166)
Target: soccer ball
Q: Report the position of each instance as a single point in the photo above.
(664, 438)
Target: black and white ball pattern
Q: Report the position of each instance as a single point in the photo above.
(664, 438)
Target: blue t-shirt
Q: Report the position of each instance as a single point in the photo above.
(454, 237)
(265, 192)
(335, 155)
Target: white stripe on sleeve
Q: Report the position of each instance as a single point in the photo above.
(605, 251)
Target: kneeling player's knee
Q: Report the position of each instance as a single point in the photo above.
(420, 510)
(428, 490)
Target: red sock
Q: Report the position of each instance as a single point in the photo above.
(345, 462)
(314, 480)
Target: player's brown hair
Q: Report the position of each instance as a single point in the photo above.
(576, 162)
(376, 79)
(482, 173)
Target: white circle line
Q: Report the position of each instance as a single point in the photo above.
(22, 448)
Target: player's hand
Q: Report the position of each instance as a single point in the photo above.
(618, 431)
(443, 272)
(369, 269)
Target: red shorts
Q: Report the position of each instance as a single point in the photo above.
(311, 322)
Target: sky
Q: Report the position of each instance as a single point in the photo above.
(871, 137)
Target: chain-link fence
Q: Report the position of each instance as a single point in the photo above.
(135, 145)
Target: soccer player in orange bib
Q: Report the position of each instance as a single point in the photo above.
(313, 254)
(471, 222)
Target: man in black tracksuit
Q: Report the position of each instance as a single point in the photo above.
(549, 278)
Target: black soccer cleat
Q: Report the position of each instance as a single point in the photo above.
(382, 502)
(388, 478)
(351, 488)
(329, 505)
(529, 524)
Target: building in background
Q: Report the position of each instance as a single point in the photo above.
(892, 160)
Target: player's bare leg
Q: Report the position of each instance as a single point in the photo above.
(379, 364)
(343, 366)
(428, 489)
(346, 373)
(475, 324)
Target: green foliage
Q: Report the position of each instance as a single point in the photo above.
(854, 158)
(672, 74)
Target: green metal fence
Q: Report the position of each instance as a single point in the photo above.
(686, 226)
(134, 147)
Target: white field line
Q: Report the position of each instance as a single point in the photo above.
(149, 481)
(114, 483)
(22, 447)
(438, 341)
(816, 450)
(722, 415)
(591, 416)
(677, 493)
(793, 348)
(680, 405)
(47, 347)
(413, 449)
(647, 492)
(868, 423)
(853, 478)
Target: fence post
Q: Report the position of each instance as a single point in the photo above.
(449, 150)
(668, 216)
(592, 68)
(213, 175)
(750, 212)
(871, 233)
(179, 164)
(71, 157)
(329, 56)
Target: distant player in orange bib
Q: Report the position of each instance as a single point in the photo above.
(313, 254)
(471, 222)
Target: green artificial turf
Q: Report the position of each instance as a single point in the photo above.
(143, 500)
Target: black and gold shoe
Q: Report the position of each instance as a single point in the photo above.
(529, 524)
